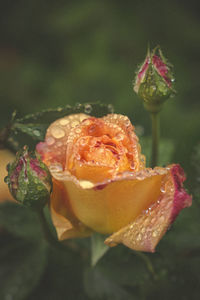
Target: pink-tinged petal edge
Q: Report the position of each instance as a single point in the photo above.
(162, 69)
(144, 233)
(141, 74)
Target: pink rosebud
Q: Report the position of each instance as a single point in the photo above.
(29, 180)
(154, 81)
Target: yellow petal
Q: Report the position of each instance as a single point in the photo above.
(66, 224)
(145, 232)
(112, 205)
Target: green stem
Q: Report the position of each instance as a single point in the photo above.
(148, 263)
(155, 117)
(45, 226)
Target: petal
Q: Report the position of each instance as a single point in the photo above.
(129, 138)
(54, 148)
(145, 232)
(113, 204)
(66, 224)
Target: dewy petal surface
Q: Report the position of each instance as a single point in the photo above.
(147, 229)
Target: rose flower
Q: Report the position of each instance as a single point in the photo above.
(100, 183)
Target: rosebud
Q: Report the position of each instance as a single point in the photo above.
(29, 180)
(154, 81)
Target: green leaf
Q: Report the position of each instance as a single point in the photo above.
(36, 131)
(98, 248)
(21, 221)
(166, 149)
(100, 287)
(130, 270)
(22, 265)
(47, 116)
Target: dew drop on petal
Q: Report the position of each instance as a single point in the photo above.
(78, 130)
(57, 132)
(74, 124)
(59, 144)
(64, 121)
(155, 233)
(161, 219)
(50, 141)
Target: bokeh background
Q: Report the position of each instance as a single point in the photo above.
(54, 53)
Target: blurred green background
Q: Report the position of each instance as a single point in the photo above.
(54, 53)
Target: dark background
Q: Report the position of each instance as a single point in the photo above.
(54, 53)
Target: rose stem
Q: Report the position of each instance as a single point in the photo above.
(148, 263)
(155, 118)
(45, 226)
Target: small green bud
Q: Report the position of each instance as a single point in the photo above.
(154, 81)
(29, 180)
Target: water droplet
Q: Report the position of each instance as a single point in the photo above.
(36, 132)
(82, 117)
(74, 124)
(88, 108)
(119, 137)
(78, 130)
(161, 219)
(155, 233)
(50, 141)
(110, 108)
(57, 132)
(59, 144)
(86, 184)
(162, 189)
(83, 142)
(78, 106)
(56, 168)
(64, 121)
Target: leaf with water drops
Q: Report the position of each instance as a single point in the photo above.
(34, 125)
(36, 131)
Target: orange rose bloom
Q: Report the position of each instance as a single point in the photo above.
(100, 183)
